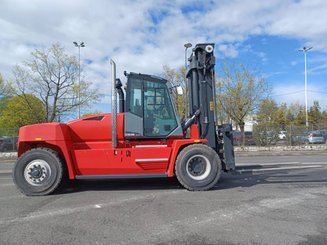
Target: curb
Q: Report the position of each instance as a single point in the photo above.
(4, 156)
(278, 153)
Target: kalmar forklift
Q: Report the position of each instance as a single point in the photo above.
(142, 137)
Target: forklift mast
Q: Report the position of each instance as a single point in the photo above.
(202, 102)
(201, 84)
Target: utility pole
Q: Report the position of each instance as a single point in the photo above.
(305, 50)
(79, 46)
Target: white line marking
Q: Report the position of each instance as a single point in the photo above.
(11, 197)
(276, 163)
(276, 169)
(314, 162)
(4, 185)
(268, 163)
(5, 172)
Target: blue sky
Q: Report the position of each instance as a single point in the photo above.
(142, 36)
(278, 60)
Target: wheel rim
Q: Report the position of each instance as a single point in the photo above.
(198, 167)
(37, 172)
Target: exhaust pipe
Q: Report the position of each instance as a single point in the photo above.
(121, 95)
(113, 104)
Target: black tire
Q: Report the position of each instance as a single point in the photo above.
(38, 172)
(198, 167)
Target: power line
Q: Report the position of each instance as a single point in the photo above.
(295, 92)
(300, 91)
(319, 92)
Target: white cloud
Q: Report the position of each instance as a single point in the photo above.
(228, 50)
(143, 35)
(302, 19)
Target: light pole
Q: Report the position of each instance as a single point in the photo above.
(305, 50)
(79, 46)
(186, 45)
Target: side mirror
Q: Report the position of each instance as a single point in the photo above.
(179, 90)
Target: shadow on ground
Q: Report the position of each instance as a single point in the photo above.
(119, 184)
(227, 181)
(279, 176)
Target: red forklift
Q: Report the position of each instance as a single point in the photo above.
(141, 138)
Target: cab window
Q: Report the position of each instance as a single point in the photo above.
(159, 116)
(136, 99)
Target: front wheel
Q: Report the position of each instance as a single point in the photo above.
(198, 167)
(38, 172)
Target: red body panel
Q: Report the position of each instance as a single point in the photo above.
(96, 128)
(85, 144)
(100, 158)
(50, 135)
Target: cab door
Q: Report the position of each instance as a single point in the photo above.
(149, 110)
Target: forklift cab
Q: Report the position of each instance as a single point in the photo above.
(149, 111)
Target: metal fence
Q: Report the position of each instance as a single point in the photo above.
(291, 135)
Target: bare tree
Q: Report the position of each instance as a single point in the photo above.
(52, 76)
(2, 86)
(176, 77)
(5, 88)
(239, 93)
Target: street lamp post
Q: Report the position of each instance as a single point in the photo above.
(305, 50)
(79, 46)
(186, 45)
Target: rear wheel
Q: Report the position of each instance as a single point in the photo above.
(38, 172)
(198, 167)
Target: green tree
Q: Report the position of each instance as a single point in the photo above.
(2, 86)
(289, 116)
(5, 88)
(52, 75)
(5, 93)
(265, 132)
(240, 92)
(176, 77)
(22, 110)
(281, 116)
(267, 112)
(294, 114)
(324, 119)
(298, 114)
(314, 113)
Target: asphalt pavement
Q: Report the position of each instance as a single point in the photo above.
(268, 200)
